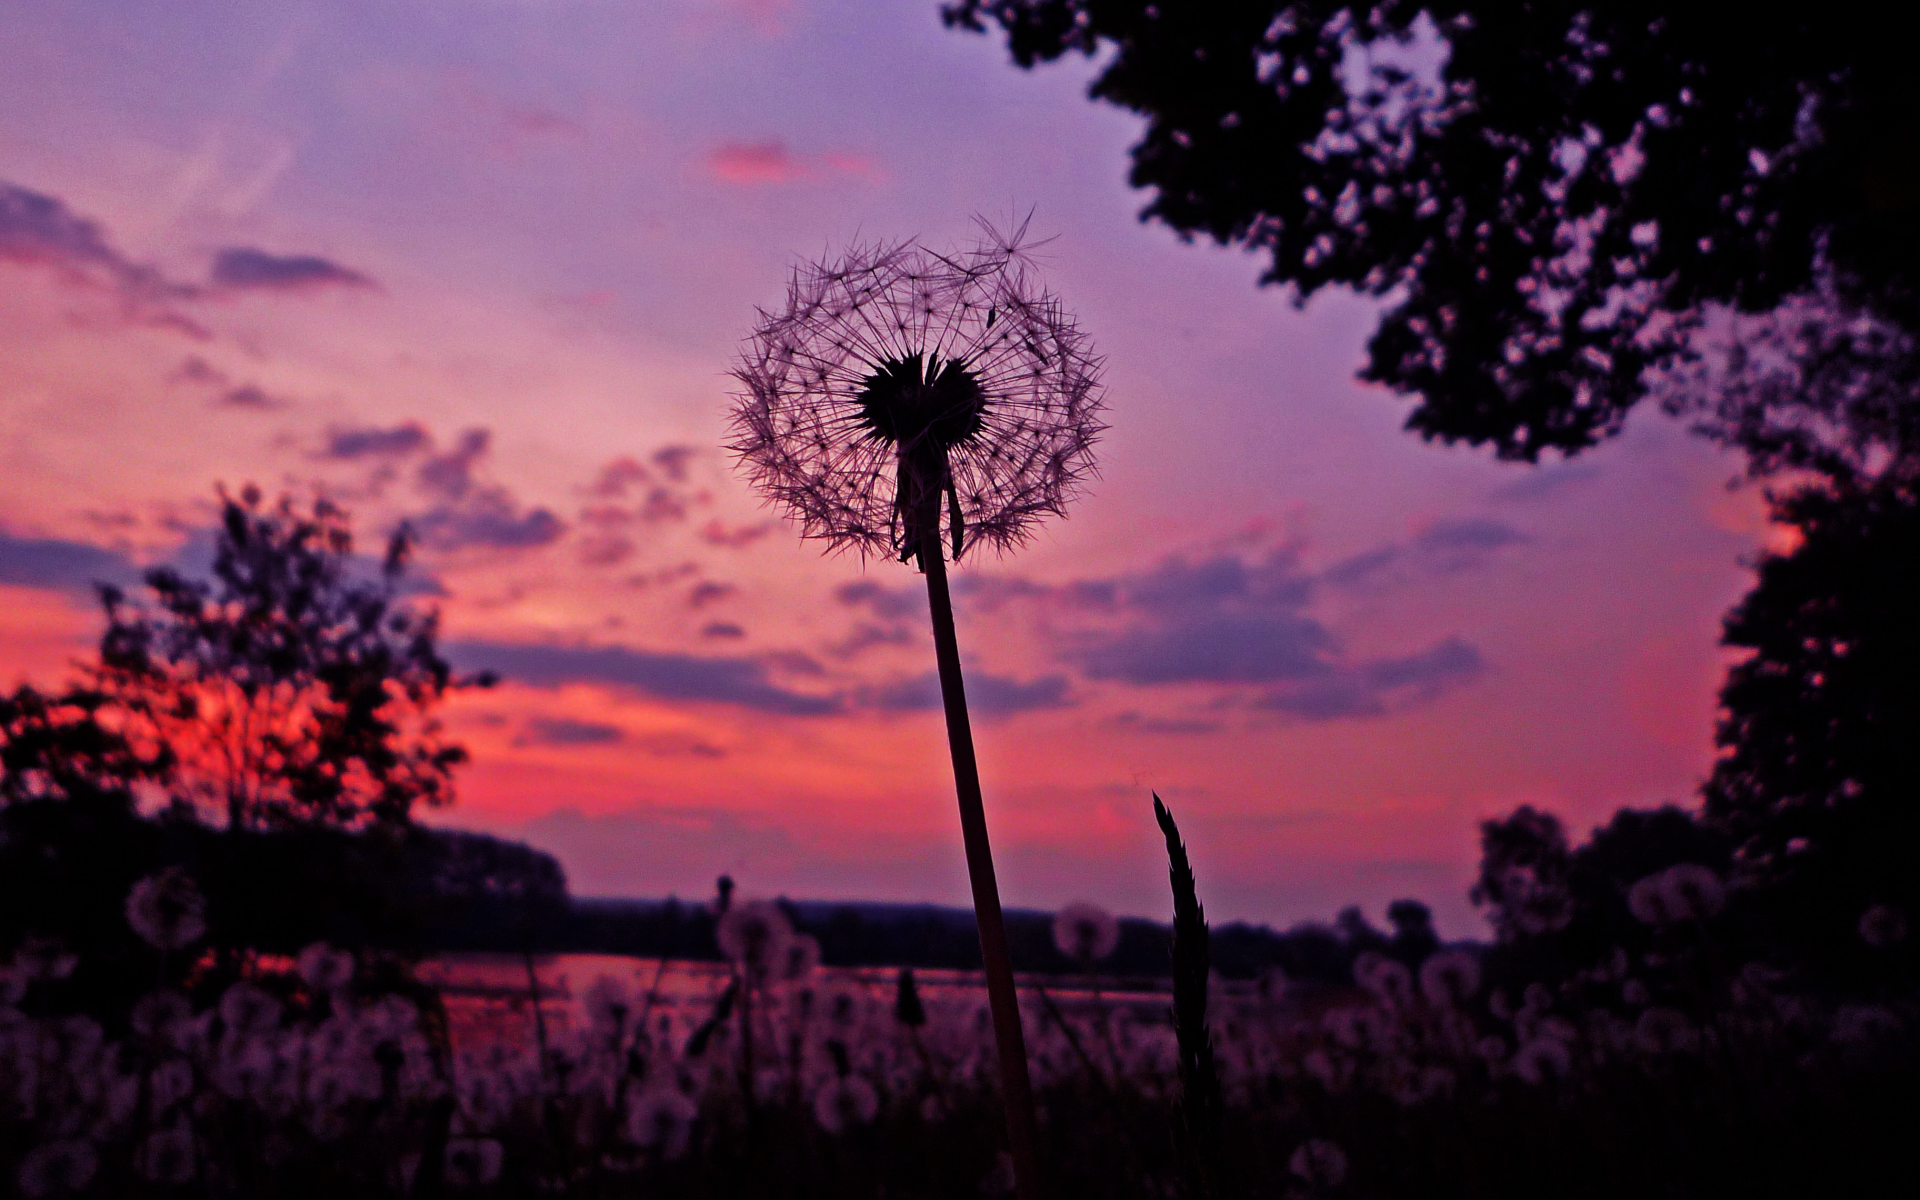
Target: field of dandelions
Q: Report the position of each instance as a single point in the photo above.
(1660, 1071)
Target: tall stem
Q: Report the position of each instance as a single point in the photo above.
(1015, 1087)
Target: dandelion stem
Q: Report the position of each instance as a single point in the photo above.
(1001, 996)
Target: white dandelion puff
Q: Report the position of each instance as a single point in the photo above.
(167, 910)
(897, 382)
(1085, 932)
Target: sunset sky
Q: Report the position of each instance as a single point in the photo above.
(484, 266)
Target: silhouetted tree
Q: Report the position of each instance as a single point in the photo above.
(294, 686)
(1819, 779)
(1550, 196)
(53, 745)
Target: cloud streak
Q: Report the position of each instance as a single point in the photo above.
(740, 682)
(244, 269)
(61, 565)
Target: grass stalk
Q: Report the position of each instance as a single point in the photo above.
(1199, 1076)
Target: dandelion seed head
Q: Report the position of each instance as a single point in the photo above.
(1449, 978)
(899, 386)
(473, 1162)
(57, 1168)
(661, 1119)
(1085, 932)
(844, 1102)
(1882, 926)
(1320, 1163)
(755, 934)
(325, 969)
(167, 910)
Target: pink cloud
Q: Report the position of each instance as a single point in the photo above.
(752, 164)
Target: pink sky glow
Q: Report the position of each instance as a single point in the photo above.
(484, 265)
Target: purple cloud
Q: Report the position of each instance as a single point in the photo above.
(987, 695)
(41, 231)
(371, 441)
(56, 564)
(564, 731)
(243, 268)
(742, 682)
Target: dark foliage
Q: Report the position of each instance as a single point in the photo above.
(1547, 195)
(290, 687)
(55, 746)
(1819, 778)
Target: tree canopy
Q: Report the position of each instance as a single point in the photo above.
(1820, 724)
(294, 686)
(1557, 201)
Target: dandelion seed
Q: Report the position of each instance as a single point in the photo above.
(324, 968)
(1085, 932)
(13, 986)
(661, 1119)
(164, 1015)
(755, 934)
(845, 1101)
(247, 1010)
(1387, 979)
(170, 1083)
(167, 1156)
(1882, 926)
(167, 910)
(473, 1162)
(1865, 1024)
(1449, 978)
(1665, 1031)
(44, 959)
(58, 1167)
(1320, 1163)
(1543, 1060)
(800, 961)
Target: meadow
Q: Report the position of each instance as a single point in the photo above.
(1661, 1071)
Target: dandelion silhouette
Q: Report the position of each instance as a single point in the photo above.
(899, 387)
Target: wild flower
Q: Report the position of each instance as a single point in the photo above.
(169, 1083)
(755, 935)
(800, 961)
(325, 969)
(1543, 1060)
(1321, 1164)
(44, 959)
(1449, 978)
(1882, 926)
(1865, 1024)
(1662, 1030)
(1085, 932)
(473, 1162)
(57, 1168)
(1387, 979)
(167, 1156)
(608, 1005)
(247, 1009)
(661, 1119)
(845, 1101)
(165, 1016)
(13, 985)
(167, 910)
